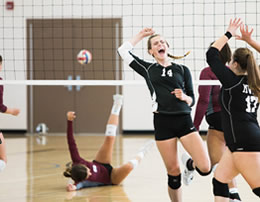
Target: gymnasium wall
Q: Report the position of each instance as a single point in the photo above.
(187, 25)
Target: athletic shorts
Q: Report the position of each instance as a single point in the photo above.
(170, 126)
(247, 136)
(214, 121)
(107, 166)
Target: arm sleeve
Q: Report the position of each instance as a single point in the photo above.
(137, 64)
(203, 101)
(224, 74)
(3, 108)
(188, 84)
(74, 154)
(86, 184)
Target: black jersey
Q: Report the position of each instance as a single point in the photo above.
(239, 105)
(161, 81)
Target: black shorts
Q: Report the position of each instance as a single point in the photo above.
(170, 126)
(247, 136)
(107, 166)
(214, 121)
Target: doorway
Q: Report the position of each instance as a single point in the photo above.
(53, 45)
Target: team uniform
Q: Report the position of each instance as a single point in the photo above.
(239, 107)
(100, 172)
(208, 102)
(3, 108)
(171, 115)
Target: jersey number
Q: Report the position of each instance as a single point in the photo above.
(164, 72)
(251, 104)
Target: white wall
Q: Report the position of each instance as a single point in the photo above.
(190, 26)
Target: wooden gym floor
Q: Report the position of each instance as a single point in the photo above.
(35, 167)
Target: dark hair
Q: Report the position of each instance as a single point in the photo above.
(225, 53)
(77, 172)
(245, 58)
(1, 59)
(149, 47)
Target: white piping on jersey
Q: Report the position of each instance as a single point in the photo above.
(123, 51)
(229, 106)
(154, 103)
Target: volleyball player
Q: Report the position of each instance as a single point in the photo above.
(208, 105)
(172, 94)
(240, 97)
(99, 172)
(6, 110)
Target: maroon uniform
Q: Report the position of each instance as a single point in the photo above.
(99, 172)
(3, 108)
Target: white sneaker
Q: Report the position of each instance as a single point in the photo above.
(188, 175)
(147, 146)
(118, 99)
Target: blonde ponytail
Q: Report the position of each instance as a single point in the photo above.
(178, 57)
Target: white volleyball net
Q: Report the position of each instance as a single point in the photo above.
(40, 40)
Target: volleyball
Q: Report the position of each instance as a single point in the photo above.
(84, 57)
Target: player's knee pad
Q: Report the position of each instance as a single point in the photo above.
(174, 182)
(220, 189)
(111, 130)
(257, 191)
(2, 165)
(202, 173)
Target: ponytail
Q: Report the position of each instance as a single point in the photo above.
(245, 58)
(67, 172)
(178, 57)
(253, 74)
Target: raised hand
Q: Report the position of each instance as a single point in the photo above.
(245, 33)
(234, 25)
(71, 115)
(146, 32)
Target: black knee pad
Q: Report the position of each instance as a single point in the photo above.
(220, 189)
(257, 191)
(201, 173)
(174, 182)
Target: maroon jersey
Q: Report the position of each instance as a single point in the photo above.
(208, 101)
(99, 172)
(3, 108)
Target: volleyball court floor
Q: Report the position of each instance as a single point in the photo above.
(35, 167)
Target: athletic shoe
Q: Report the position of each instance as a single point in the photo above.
(118, 99)
(188, 175)
(147, 146)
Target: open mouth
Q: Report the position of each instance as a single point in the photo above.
(161, 51)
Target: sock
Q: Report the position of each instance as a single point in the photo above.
(233, 193)
(134, 163)
(111, 130)
(116, 109)
(140, 155)
(2, 165)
